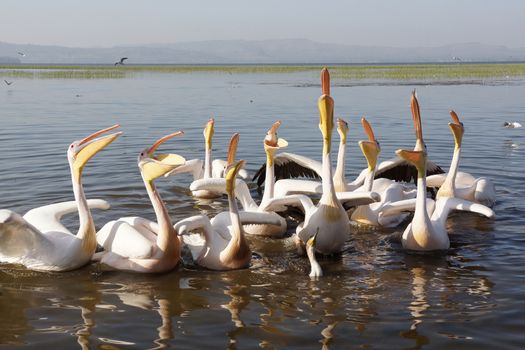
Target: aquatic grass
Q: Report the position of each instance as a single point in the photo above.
(343, 72)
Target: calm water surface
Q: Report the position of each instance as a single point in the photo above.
(376, 296)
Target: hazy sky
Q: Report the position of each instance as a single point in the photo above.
(364, 22)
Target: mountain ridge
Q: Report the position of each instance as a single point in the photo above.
(271, 51)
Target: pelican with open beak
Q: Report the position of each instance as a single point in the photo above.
(38, 240)
(136, 244)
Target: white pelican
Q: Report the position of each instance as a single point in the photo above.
(210, 169)
(479, 190)
(429, 232)
(390, 191)
(137, 244)
(271, 144)
(222, 245)
(327, 219)
(38, 240)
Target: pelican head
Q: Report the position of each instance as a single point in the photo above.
(231, 174)
(272, 143)
(457, 129)
(418, 158)
(153, 166)
(370, 148)
(326, 111)
(208, 132)
(416, 118)
(342, 129)
(316, 270)
(80, 152)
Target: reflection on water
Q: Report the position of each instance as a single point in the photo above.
(374, 295)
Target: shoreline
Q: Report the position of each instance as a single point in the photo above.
(390, 72)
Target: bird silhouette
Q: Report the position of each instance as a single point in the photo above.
(21, 54)
(121, 62)
(8, 82)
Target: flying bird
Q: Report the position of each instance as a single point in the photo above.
(8, 82)
(121, 62)
(21, 54)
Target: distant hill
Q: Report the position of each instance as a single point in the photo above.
(263, 51)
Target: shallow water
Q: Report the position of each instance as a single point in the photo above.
(374, 296)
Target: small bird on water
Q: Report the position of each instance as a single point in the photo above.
(511, 125)
(121, 62)
(8, 82)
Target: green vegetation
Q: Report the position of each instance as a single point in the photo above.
(343, 72)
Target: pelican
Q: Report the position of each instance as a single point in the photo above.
(222, 246)
(210, 169)
(136, 244)
(328, 219)
(479, 190)
(38, 240)
(272, 144)
(427, 231)
(391, 192)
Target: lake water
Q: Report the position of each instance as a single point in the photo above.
(376, 296)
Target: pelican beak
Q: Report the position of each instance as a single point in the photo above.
(231, 175)
(208, 132)
(311, 241)
(371, 152)
(342, 129)
(232, 149)
(326, 111)
(457, 129)
(153, 166)
(418, 158)
(272, 143)
(416, 117)
(271, 139)
(91, 145)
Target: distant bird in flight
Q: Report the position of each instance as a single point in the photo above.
(8, 82)
(121, 62)
(21, 54)
(511, 125)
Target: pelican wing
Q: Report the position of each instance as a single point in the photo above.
(464, 205)
(193, 166)
(354, 199)
(290, 165)
(242, 192)
(280, 203)
(194, 241)
(398, 169)
(18, 238)
(128, 238)
(259, 218)
(286, 187)
(47, 218)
